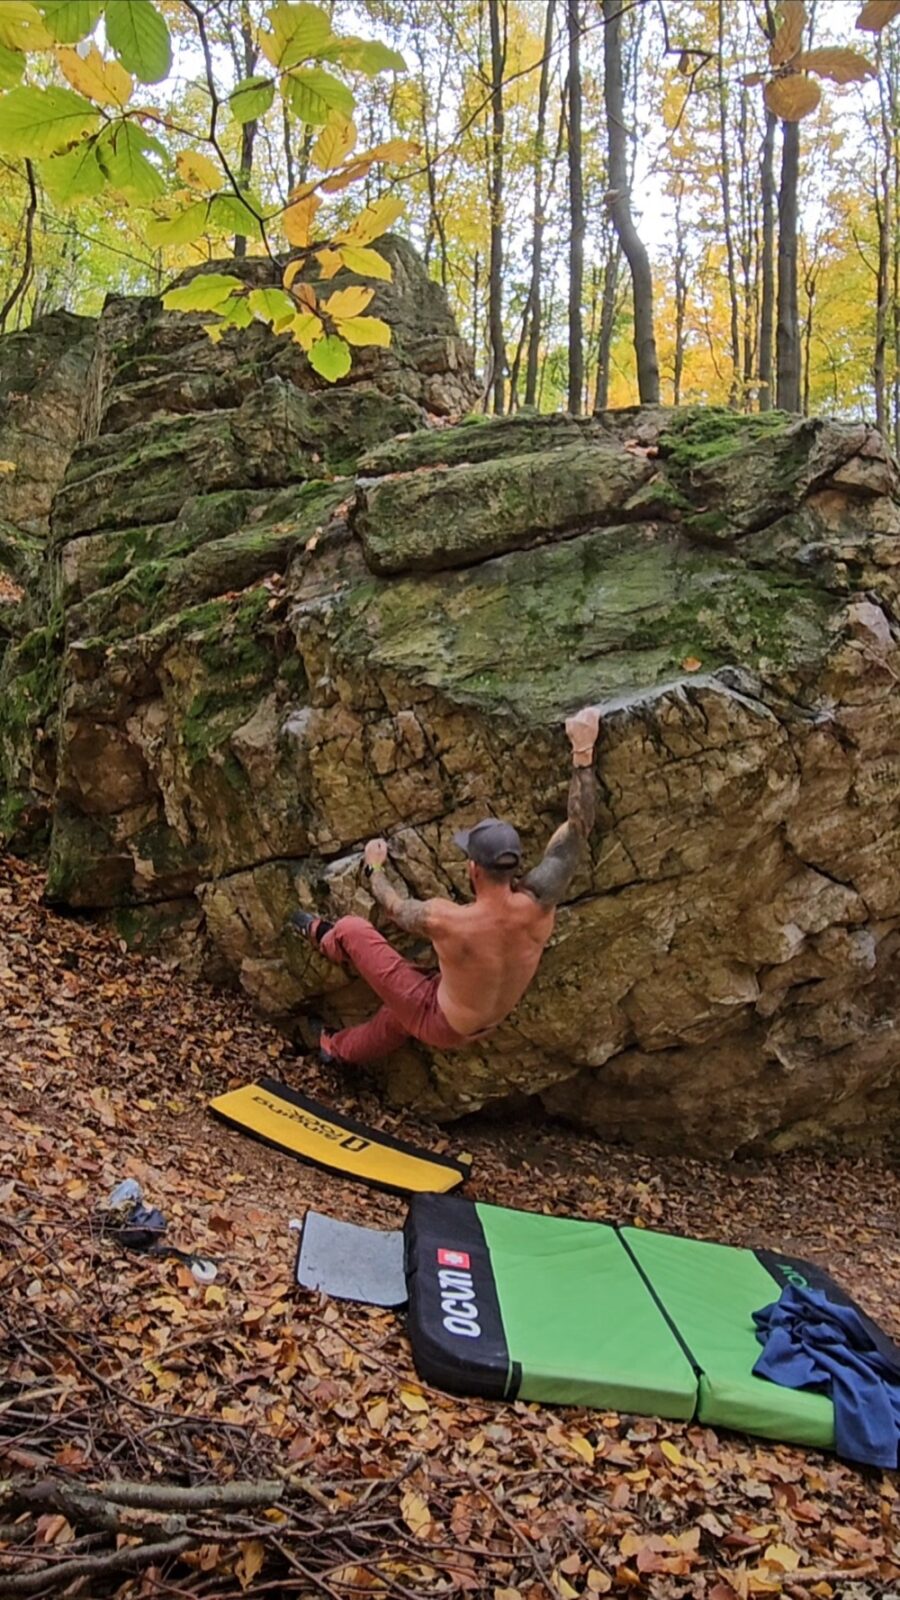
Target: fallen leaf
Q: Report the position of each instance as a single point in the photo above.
(413, 1400)
(781, 1555)
(415, 1513)
(250, 1561)
(581, 1446)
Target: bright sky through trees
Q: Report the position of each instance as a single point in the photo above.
(696, 132)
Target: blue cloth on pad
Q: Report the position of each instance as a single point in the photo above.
(811, 1342)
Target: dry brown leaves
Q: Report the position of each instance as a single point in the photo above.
(117, 1366)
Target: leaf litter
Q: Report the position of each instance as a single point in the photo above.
(159, 1436)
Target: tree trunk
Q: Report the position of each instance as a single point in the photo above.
(809, 285)
(884, 220)
(747, 233)
(619, 202)
(681, 292)
(788, 331)
(288, 147)
(611, 268)
(727, 229)
(16, 297)
(576, 212)
(248, 130)
(767, 306)
(895, 250)
(495, 270)
(537, 235)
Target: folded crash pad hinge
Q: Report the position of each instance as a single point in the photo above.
(661, 1307)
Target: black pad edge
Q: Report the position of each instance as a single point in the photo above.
(470, 1358)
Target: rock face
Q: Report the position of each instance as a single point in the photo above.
(42, 384)
(285, 629)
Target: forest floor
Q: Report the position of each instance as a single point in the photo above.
(120, 1367)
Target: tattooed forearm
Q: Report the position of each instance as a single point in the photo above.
(583, 801)
(411, 915)
(549, 880)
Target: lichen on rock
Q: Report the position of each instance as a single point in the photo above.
(290, 617)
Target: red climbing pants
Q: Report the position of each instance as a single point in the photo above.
(410, 1009)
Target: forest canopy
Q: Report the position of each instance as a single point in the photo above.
(692, 201)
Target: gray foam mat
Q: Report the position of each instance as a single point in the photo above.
(351, 1263)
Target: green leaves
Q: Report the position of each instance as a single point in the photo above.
(75, 176)
(140, 38)
(251, 98)
(209, 291)
(272, 305)
(368, 56)
(120, 153)
(70, 20)
(41, 122)
(367, 263)
(299, 33)
(228, 213)
(222, 215)
(312, 94)
(22, 26)
(91, 136)
(12, 65)
(183, 228)
(330, 358)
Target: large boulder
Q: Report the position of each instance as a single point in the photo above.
(287, 629)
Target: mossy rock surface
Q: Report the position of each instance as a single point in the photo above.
(595, 616)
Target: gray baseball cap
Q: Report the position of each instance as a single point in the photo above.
(491, 844)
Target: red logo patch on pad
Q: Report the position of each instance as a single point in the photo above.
(453, 1258)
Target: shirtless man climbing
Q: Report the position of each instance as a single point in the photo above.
(488, 951)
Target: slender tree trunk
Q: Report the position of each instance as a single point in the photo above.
(788, 332)
(681, 293)
(537, 235)
(727, 227)
(288, 148)
(884, 220)
(430, 118)
(576, 212)
(895, 248)
(611, 267)
(748, 228)
(809, 285)
(767, 306)
(302, 159)
(248, 131)
(495, 271)
(16, 297)
(619, 202)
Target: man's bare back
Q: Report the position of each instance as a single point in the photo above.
(488, 953)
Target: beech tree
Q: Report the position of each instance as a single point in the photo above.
(82, 119)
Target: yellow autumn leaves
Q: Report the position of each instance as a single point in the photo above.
(326, 329)
(790, 93)
(105, 82)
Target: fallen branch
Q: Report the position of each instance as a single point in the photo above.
(131, 1559)
(202, 1497)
